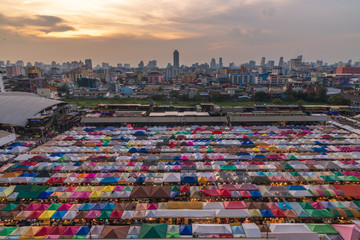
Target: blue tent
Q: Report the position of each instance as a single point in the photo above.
(45, 195)
(143, 150)
(189, 179)
(58, 215)
(295, 188)
(86, 206)
(28, 174)
(132, 236)
(185, 230)
(83, 230)
(109, 206)
(133, 150)
(255, 194)
(282, 204)
(109, 180)
(139, 133)
(98, 206)
(266, 213)
(140, 179)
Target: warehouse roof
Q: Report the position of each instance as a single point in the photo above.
(16, 108)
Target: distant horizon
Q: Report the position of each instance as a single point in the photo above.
(135, 65)
(127, 31)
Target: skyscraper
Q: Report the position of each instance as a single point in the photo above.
(281, 61)
(220, 63)
(262, 64)
(88, 63)
(176, 59)
(213, 63)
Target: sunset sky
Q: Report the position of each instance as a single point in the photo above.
(127, 31)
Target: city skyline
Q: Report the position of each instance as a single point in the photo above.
(130, 31)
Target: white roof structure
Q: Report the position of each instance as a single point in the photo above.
(16, 107)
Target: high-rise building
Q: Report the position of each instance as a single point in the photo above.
(262, 64)
(105, 65)
(213, 63)
(126, 65)
(141, 64)
(176, 59)
(20, 63)
(88, 63)
(281, 61)
(152, 64)
(220, 63)
(271, 63)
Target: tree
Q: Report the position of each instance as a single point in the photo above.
(322, 94)
(339, 100)
(300, 102)
(261, 97)
(277, 101)
(64, 89)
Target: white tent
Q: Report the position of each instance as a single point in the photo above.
(251, 230)
(184, 213)
(232, 213)
(289, 227)
(201, 229)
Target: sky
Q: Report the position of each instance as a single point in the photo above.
(127, 31)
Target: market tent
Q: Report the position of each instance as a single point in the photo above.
(202, 229)
(153, 231)
(348, 231)
(95, 231)
(289, 227)
(294, 236)
(251, 230)
(185, 230)
(322, 228)
(115, 232)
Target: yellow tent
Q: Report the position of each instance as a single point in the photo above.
(7, 192)
(95, 195)
(46, 214)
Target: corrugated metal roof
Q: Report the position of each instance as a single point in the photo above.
(16, 108)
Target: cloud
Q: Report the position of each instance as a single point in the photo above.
(37, 23)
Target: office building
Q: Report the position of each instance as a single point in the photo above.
(221, 62)
(176, 59)
(262, 64)
(281, 61)
(88, 63)
(213, 63)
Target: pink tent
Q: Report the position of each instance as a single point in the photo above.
(64, 207)
(348, 231)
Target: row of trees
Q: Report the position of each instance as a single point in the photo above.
(301, 97)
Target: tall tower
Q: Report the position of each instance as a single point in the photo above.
(176, 59)
(220, 63)
(262, 64)
(88, 63)
(281, 61)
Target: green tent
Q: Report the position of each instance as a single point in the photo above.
(352, 178)
(306, 205)
(322, 228)
(287, 166)
(54, 206)
(357, 203)
(79, 237)
(228, 167)
(7, 231)
(10, 207)
(172, 235)
(295, 174)
(175, 188)
(320, 213)
(337, 173)
(153, 230)
(105, 215)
